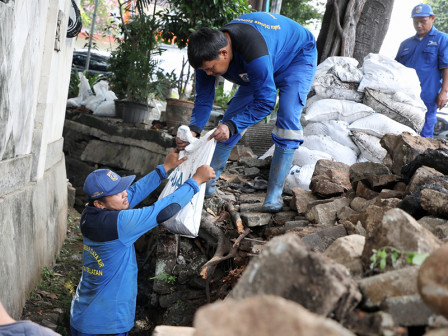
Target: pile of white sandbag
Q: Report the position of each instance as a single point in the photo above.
(351, 109)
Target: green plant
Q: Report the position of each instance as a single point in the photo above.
(73, 88)
(380, 257)
(222, 98)
(162, 83)
(47, 273)
(165, 277)
(132, 64)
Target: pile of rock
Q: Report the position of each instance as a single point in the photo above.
(313, 266)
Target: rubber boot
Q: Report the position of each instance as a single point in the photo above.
(280, 166)
(219, 160)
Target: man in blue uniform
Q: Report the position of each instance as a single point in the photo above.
(427, 53)
(105, 299)
(263, 53)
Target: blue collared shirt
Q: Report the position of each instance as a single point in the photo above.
(428, 56)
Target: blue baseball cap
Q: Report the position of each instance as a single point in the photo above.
(422, 10)
(104, 182)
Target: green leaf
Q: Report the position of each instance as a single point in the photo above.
(418, 258)
(394, 256)
(383, 264)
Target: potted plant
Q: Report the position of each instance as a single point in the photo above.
(132, 65)
(178, 22)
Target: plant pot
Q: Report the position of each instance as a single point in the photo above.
(178, 112)
(132, 112)
(119, 107)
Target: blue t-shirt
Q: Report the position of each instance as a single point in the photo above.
(428, 56)
(264, 45)
(105, 298)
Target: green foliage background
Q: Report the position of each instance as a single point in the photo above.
(303, 11)
(440, 9)
(187, 16)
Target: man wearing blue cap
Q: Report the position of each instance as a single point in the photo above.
(263, 53)
(427, 53)
(105, 299)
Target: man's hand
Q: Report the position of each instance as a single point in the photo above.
(441, 99)
(180, 144)
(172, 161)
(203, 174)
(221, 134)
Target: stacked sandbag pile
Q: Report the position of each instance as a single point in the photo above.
(350, 109)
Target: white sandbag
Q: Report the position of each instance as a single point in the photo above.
(335, 129)
(299, 177)
(405, 114)
(304, 156)
(312, 99)
(102, 94)
(370, 147)
(334, 109)
(323, 143)
(378, 125)
(84, 92)
(199, 152)
(331, 61)
(347, 73)
(328, 85)
(105, 109)
(386, 75)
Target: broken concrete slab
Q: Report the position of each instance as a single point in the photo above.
(264, 315)
(287, 267)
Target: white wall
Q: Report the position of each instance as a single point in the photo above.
(34, 79)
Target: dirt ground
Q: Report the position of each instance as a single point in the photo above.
(49, 303)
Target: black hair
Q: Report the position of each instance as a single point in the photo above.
(204, 45)
(101, 199)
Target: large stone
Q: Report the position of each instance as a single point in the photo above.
(403, 148)
(287, 267)
(347, 251)
(164, 330)
(363, 171)
(422, 175)
(435, 202)
(322, 239)
(330, 178)
(376, 289)
(240, 151)
(434, 158)
(252, 219)
(408, 310)
(326, 214)
(398, 229)
(359, 204)
(300, 200)
(433, 281)
(263, 315)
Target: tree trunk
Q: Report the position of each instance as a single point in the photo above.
(372, 27)
(353, 28)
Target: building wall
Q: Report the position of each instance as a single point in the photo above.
(35, 59)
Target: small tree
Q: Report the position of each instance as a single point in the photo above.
(132, 64)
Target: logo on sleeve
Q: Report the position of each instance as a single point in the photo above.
(245, 77)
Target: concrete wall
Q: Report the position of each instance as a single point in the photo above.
(35, 58)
